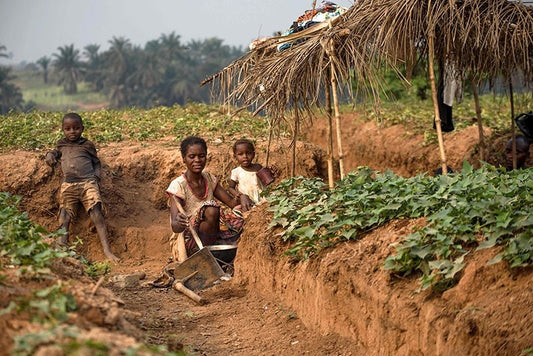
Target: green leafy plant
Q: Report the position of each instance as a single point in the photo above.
(23, 242)
(465, 211)
(97, 269)
(48, 305)
(26, 344)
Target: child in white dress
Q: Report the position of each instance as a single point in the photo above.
(244, 183)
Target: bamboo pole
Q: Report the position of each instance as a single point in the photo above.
(330, 136)
(227, 90)
(294, 138)
(431, 55)
(270, 129)
(333, 75)
(478, 116)
(513, 128)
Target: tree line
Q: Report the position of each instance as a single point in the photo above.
(10, 94)
(164, 71)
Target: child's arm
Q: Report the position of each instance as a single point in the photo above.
(52, 157)
(242, 199)
(98, 171)
(232, 189)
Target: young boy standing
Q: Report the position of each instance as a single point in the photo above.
(81, 178)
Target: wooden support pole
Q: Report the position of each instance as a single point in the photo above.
(333, 75)
(431, 55)
(513, 128)
(478, 117)
(294, 139)
(330, 136)
(270, 129)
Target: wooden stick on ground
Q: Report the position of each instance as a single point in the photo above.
(97, 285)
(179, 285)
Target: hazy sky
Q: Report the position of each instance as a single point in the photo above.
(31, 29)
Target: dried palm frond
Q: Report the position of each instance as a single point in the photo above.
(489, 37)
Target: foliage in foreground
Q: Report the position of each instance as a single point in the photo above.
(23, 245)
(39, 130)
(472, 209)
(23, 242)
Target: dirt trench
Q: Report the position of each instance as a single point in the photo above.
(340, 303)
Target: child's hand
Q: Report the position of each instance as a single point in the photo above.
(274, 170)
(246, 202)
(50, 159)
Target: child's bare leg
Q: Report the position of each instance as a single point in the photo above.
(64, 219)
(210, 226)
(98, 219)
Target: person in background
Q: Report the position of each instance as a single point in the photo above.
(195, 190)
(522, 152)
(438, 171)
(81, 179)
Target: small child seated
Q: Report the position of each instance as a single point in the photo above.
(245, 185)
(81, 179)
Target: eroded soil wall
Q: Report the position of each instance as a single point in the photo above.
(345, 291)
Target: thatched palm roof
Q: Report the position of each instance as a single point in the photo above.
(489, 37)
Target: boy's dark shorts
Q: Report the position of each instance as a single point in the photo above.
(87, 193)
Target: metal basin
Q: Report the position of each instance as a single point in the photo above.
(225, 253)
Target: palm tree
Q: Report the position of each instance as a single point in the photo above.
(10, 94)
(2, 50)
(44, 62)
(119, 56)
(68, 67)
(117, 59)
(94, 71)
(171, 46)
(91, 52)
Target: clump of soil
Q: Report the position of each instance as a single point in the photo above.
(341, 302)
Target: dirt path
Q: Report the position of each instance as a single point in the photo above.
(235, 321)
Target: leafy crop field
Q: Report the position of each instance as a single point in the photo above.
(38, 130)
(464, 211)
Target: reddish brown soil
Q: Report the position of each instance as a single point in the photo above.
(339, 303)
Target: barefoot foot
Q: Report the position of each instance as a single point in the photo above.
(112, 258)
